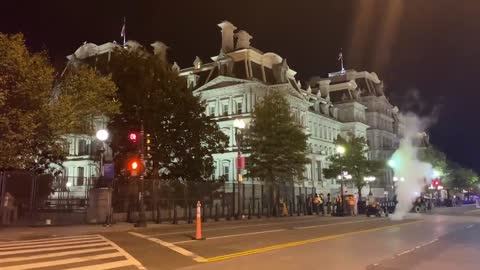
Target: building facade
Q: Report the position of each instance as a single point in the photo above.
(231, 83)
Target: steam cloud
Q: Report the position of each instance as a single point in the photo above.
(408, 169)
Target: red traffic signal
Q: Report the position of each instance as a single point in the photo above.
(133, 137)
(134, 166)
(436, 183)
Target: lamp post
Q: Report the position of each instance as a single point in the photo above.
(369, 180)
(341, 151)
(68, 185)
(102, 136)
(239, 124)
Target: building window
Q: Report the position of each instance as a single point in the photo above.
(319, 170)
(226, 170)
(225, 109)
(239, 107)
(211, 111)
(83, 148)
(80, 176)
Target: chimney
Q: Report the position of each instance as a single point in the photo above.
(227, 36)
(243, 41)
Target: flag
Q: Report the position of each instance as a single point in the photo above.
(340, 56)
(122, 34)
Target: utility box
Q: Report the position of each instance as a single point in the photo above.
(99, 205)
(8, 210)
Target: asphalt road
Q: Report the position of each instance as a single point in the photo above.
(446, 239)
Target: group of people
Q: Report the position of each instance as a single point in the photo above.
(329, 206)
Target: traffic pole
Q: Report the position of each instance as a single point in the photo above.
(198, 234)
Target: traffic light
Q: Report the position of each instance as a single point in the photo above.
(134, 166)
(133, 137)
(436, 183)
(148, 148)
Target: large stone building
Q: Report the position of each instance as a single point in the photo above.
(232, 82)
(346, 103)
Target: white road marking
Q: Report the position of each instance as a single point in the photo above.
(51, 248)
(238, 227)
(56, 254)
(171, 246)
(52, 244)
(62, 262)
(418, 247)
(231, 235)
(340, 223)
(44, 240)
(75, 250)
(127, 255)
(103, 266)
(469, 226)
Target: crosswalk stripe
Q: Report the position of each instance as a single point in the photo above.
(103, 266)
(45, 240)
(51, 248)
(56, 254)
(53, 244)
(64, 261)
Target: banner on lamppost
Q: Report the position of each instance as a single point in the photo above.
(109, 172)
(240, 162)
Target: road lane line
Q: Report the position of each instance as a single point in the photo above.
(62, 262)
(472, 211)
(56, 254)
(45, 240)
(237, 227)
(304, 242)
(103, 266)
(52, 244)
(230, 235)
(340, 223)
(50, 249)
(171, 246)
(127, 255)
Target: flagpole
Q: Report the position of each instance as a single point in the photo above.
(124, 31)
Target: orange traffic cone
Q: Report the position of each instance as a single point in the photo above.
(198, 234)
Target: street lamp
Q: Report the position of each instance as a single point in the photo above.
(391, 163)
(102, 135)
(68, 185)
(341, 151)
(239, 124)
(369, 179)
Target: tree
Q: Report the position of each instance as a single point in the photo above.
(36, 110)
(183, 138)
(438, 160)
(277, 143)
(462, 178)
(354, 161)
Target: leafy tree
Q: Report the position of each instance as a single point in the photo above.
(36, 111)
(183, 138)
(462, 178)
(354, 161)
(438, 160)
(277, 143)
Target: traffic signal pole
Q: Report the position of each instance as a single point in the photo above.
(141, 214)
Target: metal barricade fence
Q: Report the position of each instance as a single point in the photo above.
(220, 200)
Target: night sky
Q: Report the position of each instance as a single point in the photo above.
(427, 51)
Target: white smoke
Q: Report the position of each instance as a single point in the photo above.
(411, 174)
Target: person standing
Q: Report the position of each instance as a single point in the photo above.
(329, 205)
(355, 211)
(322, 204)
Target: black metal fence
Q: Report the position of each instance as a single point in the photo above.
(177, 202)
